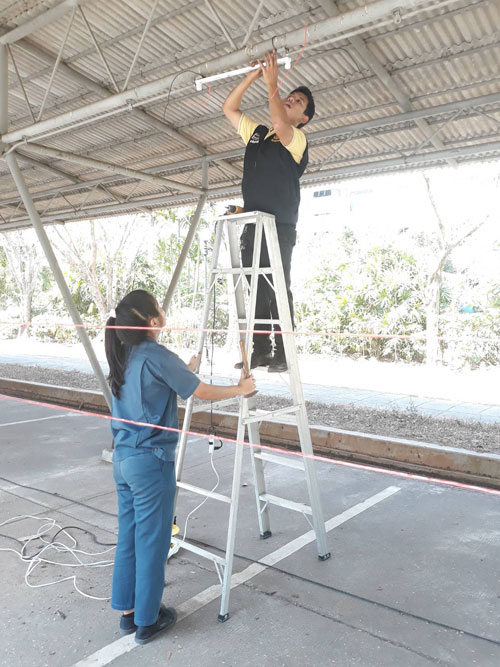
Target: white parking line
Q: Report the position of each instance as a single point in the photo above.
(40, 419)
(121, 646)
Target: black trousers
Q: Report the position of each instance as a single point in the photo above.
(266, 307)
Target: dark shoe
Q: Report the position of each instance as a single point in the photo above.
(166, 619)
(258, 359)
(278, 364)
(127, 624)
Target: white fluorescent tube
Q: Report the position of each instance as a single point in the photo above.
(286, 61)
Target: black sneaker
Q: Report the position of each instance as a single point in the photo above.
(278, 364)
(127, 624)
(258, 359)
(166, 619)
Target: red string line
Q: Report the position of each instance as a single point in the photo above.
(331, 334)
(281, 450)
(287, 73)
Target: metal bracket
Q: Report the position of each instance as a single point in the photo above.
(396, 16)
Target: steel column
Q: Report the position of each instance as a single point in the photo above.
(58, 275)
(42, 236)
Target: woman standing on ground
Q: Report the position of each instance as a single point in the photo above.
(145, 379)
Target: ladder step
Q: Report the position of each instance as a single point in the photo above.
(283, 502)
(198, 550)
(249, 270)
(264, 415)
(247, 216)
(280, 460)
(215, 405)
(204, 492)
(244, 320)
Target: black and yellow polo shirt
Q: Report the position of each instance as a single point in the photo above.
(271, 171)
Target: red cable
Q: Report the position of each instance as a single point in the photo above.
(333, 334)
(281, 450)
(287, 73)
(280, 83)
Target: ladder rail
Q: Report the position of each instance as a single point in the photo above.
(246, 336)
(248, 418)
(253, 429)
(296, 387)
(188, 411)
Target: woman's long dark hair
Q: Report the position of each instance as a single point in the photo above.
(134, 310)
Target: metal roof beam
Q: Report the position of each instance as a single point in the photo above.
(150, 202)
(41, 164)
(114, 168)
(386, 79)
(180, 9)
(219, 21)
(410, 162)
(178, 59)
(18, 75)
(354, 19)
(330, 133)
(476, 151)
(344, 83)
(89, 83)
(141, 42)
(252, 23)
(140, 113)
(49, 16)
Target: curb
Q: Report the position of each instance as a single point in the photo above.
(395, 453)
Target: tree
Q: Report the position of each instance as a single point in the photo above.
(446, 242)
(22, 258)
(101, 255)
(367, 290)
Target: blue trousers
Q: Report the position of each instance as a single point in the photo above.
(146, 493)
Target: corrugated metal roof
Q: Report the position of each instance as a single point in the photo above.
(438, 54)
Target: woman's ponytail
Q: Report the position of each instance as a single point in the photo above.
(134, 312)
(116, 356)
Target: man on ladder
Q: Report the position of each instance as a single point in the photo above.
(275, 159)
(274, 162)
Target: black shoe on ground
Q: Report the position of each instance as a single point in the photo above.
(278, 364)
(127, 624)
(258, 359)
(166, 619)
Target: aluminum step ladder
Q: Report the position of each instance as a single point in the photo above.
(249, 418)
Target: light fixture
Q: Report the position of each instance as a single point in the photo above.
(286, 61)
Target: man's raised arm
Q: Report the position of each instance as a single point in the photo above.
(231, 106)
(280, 122)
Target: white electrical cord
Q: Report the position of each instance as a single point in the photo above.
(184, 536)
(59, 547)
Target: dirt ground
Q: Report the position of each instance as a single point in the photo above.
(409, 424)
